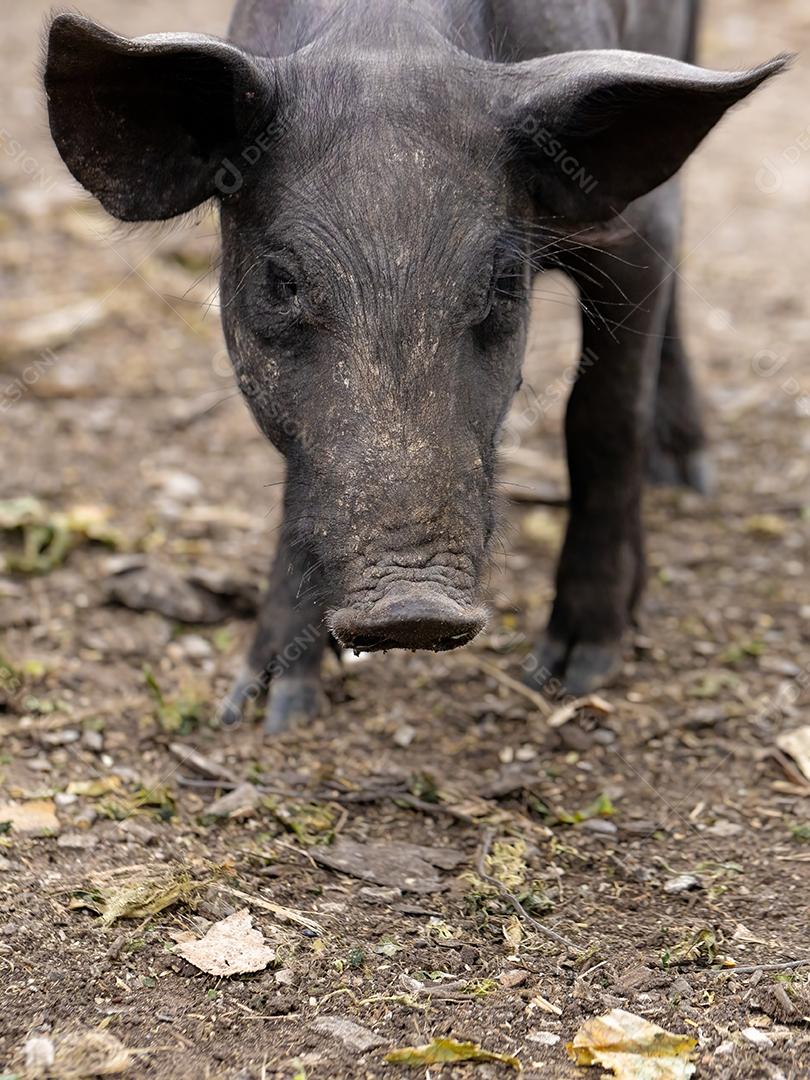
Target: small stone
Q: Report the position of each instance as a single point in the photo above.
(544, 1038)
(86, 817)
(61, 737)
(63, 799)
(77, 841)
(724, 1048)
(513, 978)
(353, 1035)
(604, 737)
(39, 1054)
(682, 883)
(5, 864)
(725, 828)
(134, 830)
(39, 764)
(241, 802)
(756, 1037)
(380, 894)
(404, 735)
(93, 740)
(600, 825)
(196, 647)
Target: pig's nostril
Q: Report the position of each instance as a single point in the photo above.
(414, 620)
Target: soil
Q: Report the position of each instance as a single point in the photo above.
(134, 413)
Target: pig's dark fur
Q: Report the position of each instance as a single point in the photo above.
(391, 175)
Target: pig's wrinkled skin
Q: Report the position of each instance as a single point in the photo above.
(391, 174)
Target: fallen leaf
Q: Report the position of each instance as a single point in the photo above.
(134, 892)
(406, 866)
(94, 789)
(445, 1050)
(232, 946)
(570, 709)
(633, 1048)
(37, 817)
(76, 1055)
(797, 744)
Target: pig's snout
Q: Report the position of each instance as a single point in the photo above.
(410, 618)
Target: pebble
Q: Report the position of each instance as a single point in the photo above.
(239, 802)
(756, 1037)
(404, 735)
(196, 647)
(77, 841)
(93, 740)
(545, 1038)
(134, 830)
(5, 863)
(63, 737)
(599, 825)
(681, 883)
(63, 799)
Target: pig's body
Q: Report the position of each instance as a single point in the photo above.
(391, 175)
(502, 30)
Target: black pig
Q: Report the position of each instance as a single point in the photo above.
(390, 174)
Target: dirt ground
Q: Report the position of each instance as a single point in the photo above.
(663, 833)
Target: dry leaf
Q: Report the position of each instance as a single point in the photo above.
(633, 1048)
(134, 892)
(231, 947)
(36, 817)
(94, 789)
(446, 1050)
(76, 1055)
(797, 744)
(570, 709)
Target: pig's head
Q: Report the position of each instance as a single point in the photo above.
(381, 214)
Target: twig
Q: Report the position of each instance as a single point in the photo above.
(514, 685)
(751, 969)
(276, 909)
(368, 796)
(486, 844)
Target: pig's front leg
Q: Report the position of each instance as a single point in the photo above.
(608, 421)
(284, 660)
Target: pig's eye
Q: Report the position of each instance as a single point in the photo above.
(281, 285)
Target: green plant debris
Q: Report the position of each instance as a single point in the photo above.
(94, 789)
(699, 948)
(801, 833)
(600, 807)
(311, 823)
(46, 537)
(743, 650)
(506, 862)
(157, 802)
(136, 892)
(176, 715)
(441, 1051)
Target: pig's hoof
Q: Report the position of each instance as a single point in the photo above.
(591, 667)
(559, 669)
(689, 469)
(247, 688)
(294, 701)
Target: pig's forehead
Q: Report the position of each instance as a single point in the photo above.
(376, 102)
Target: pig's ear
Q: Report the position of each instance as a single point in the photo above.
(146, 124)
(595, 130)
